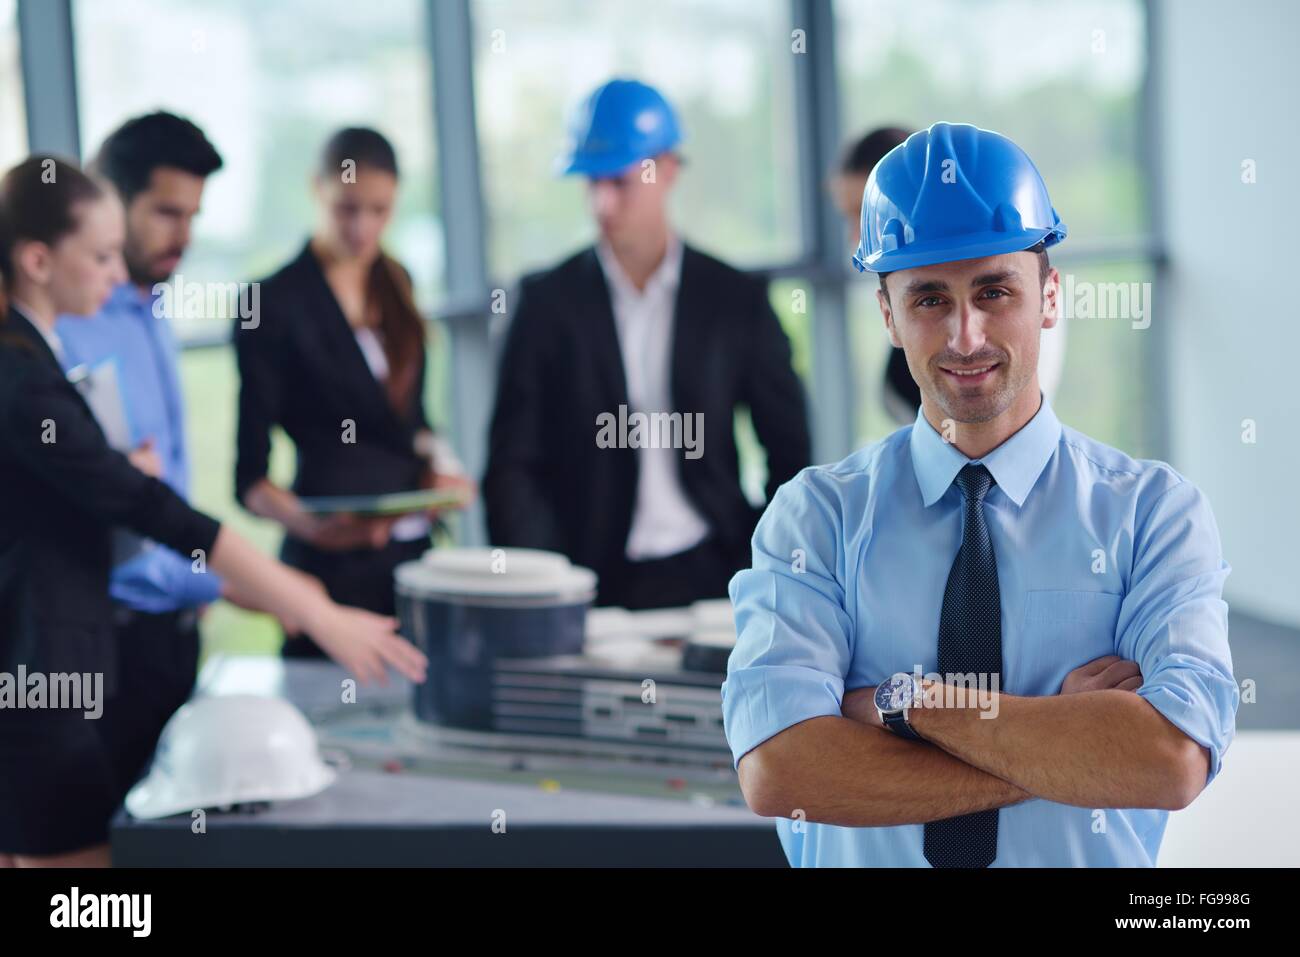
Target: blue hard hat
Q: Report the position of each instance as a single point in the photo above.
(621, 123)
(952, 192)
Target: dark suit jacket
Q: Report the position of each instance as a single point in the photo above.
(301, 368)
(64, 490)
(548, 484)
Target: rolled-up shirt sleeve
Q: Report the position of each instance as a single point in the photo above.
(793, 635)
(191, 586)
(1174, 622)
(162, 580)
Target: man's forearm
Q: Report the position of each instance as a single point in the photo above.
(833, 770)
(1094, 749)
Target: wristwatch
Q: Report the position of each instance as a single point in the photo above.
(894, 697)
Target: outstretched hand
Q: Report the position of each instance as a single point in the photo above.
(367, 645)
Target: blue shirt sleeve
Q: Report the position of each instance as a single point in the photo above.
(793, 635)
(160, 580)
(188, 587)
(1174, 622)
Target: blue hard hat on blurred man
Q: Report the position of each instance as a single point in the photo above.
(953, 192)
(621, 123)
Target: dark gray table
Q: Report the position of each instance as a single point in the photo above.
(412, 795)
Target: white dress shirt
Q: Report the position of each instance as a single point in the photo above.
(416, 525)
(664, 522)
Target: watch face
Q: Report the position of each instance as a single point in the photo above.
(894, 694)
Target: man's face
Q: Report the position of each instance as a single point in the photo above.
(158, 222)
(974, 314)
(633, 202)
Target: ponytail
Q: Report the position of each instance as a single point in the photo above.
(401, 330)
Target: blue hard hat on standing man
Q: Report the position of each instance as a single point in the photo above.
(623, 122)
(956, 192)
(953, 192)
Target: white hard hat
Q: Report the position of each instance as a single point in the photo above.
(221, 750)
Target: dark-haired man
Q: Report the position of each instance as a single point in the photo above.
(995, 632)
(159, 164)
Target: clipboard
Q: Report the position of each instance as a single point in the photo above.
(393, 503)
(99, 387)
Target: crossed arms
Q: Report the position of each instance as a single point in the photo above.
(1096, 744)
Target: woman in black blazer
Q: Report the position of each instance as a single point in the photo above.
(336, 358)
(65, 489)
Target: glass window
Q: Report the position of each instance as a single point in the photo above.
(1106, 389)
(13, 114)
(870, 347)
(1062, 80)
(792, 301)
(725, 65)
(268, 83)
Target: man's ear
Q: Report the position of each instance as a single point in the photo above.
(887, 311)
(1052, 298)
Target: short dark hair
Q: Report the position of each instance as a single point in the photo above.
(146, 143)
(862, 155)
(1044, 267)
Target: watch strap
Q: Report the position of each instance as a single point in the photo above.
(897, 723)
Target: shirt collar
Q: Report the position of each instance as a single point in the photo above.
(129, 295)
(1015, 464)
(667, 274)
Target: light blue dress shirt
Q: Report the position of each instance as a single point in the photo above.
(128, 332)
(1097, 554)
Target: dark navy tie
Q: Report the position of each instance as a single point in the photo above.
(970, 640)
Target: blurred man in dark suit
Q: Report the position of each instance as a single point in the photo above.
(612, 439)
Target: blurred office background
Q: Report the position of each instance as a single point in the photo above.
(1142, 115)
